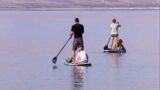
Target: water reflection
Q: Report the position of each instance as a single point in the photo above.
(115, 58)
(78, 77)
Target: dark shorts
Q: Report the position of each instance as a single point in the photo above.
(114, 35)
(77, 42)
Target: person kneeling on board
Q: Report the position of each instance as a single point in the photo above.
(82, 56)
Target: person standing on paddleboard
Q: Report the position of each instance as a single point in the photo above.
(77, 30)
(114, 33)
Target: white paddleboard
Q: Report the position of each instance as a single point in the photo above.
(77, 64)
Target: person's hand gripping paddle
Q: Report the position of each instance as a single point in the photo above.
(54, 60)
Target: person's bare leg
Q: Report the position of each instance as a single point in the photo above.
(111, 43)
(116, 42)
(73, 56)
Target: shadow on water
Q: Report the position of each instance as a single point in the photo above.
(78, 77)
(54, 67)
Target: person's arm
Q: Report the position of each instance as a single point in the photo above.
(111, 27)
(71, 34)
(118, 24)
(82, 29)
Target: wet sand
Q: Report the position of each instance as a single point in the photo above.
(30, 39)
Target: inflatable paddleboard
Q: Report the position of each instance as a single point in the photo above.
(67, 62)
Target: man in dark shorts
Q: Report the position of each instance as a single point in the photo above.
(77, 30)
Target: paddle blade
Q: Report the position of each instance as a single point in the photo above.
(106, 47)
(54, 60)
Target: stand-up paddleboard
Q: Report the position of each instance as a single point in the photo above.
(122, 50)
(115, 51)
(68, 62)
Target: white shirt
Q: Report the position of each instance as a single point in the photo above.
(114, 28)
(81, 56)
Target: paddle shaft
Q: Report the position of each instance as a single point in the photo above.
(63, 47)
(106, 47)
(108, 40)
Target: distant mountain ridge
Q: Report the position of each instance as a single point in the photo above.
(31, 4)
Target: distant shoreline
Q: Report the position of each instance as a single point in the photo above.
(79, 9)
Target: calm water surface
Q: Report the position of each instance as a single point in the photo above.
(29, 40)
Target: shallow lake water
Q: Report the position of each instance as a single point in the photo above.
(30, 39)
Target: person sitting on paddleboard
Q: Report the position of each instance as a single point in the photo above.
(77, 30)
(82, 56)
(120, 45)
(114, 33)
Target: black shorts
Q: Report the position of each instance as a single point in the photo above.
(77, 42)
(114, 35)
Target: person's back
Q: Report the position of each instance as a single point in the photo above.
(119, 44)
(78, 30)
(82, 57)
(114, 29)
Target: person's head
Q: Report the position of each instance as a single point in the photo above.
(114, 20)
(119, 44)
(80, 49)
(120, 41)
(76, 20)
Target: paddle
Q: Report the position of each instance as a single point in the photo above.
(106, 47)
(54, 60)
